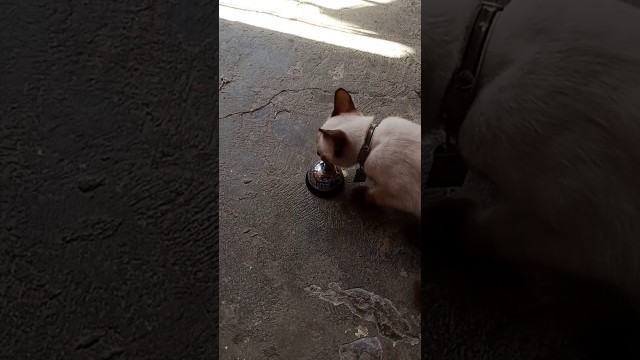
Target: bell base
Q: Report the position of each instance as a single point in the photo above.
(323, 193)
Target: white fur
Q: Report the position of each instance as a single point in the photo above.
(556, 126)
(393, 163)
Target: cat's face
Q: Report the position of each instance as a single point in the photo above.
(332, 142)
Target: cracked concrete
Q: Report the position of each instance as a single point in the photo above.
(329, 94)
(276, 239)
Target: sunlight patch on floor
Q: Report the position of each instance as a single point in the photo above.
(306, 19)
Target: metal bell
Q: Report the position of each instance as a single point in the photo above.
(325, 179)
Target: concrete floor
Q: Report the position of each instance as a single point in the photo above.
(305, 278)
(302, 277)
(107, 181)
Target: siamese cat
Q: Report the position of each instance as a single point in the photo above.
(393, 163)
(555, 127)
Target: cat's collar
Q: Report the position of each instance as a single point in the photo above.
(448, 168)
(361, 176)
(463, 85)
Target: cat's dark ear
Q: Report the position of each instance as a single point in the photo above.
(342, 103)
(338, 139)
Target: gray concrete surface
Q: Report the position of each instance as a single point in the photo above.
(107, 180)
(302, 277)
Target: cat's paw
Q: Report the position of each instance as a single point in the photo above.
(359, 194)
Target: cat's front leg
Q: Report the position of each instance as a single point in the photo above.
(359, 194)
(377, 196)
(361, 197)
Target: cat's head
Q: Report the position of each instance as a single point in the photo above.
(338, 140)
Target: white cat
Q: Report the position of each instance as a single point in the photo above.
(393, 162)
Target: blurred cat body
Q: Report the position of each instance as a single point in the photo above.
(555, 126)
